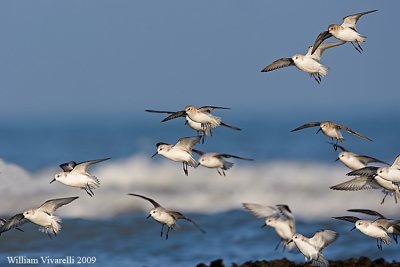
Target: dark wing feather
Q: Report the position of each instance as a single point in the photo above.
(68, 166)
(339, 146)
(230, 126)
(307, 125)
(353, 132)
(368, 159)
(320, 38)
(199, 152)
(358, 183)
(178, 215)
(14, 222)
(159, 111)
(351, 20)
(369, 171)
(369, 212)
(347, 218)
(175, 115)
(50, 206)
(232, 156)
(155, 204)
(210, 108)
(277, 64)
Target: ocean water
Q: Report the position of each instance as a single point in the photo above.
(111, 228)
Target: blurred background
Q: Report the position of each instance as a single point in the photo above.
(76, 77)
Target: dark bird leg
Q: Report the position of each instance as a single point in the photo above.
(162, 230)
(395, 238)
(359, 46)
(383, 200)
(90, 189)
(359, 51)
(185, 168)
(277, 245)
(166, 237)
(223, 172)
(219, 172)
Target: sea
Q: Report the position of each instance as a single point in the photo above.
(111, 229)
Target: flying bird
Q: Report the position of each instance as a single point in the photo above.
(42, 216)
(166, 217)
(180, 152)
(217, 161)
(77, 175)
(309, 63)
(331, 129)
(346, 32)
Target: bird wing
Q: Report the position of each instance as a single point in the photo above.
(369, 171)
(152, 201)
(187, 143)
(396, 163)
(208, 109)
(232, 156)
(369, 212)
(230, 126)
(68, 166)
(322, 238)
(175, 115)
(285, 211)
(353, 132)
(178, 216)
(322, 47)
(259, 210)
(277, 64)
(350, 21)
(307, 125)
(14, 222)
(339, 146)
(83, 166)
(320, 38)
(351, 219)
(358, 183)
(50, 206)
(367, 159)
(199, 152)
(159, 111)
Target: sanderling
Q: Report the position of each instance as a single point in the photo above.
(217, 161)
(201, 115)
(394, 230)
(308, 63)
(331, 129)
(278, 217)
(76, 175)
(346, 32)
(312, 247)
(180, 152)
(166, 217)
(198, 127)
(42, 216)
(354, 161)
(374, 228)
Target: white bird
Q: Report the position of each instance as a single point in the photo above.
(312, 247)
(354, 161)
(376, 228)
(278, 217)
(197, 126)
(42, 216)
(331, 129)
(201, 115)
(346, 32)
(309, 63)
(217, 161)
(166, 217)
(180, 152)
(76, 175)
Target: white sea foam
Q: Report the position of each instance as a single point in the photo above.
(304, 186)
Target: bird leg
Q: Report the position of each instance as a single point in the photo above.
(383, 200)
(162, 230)
(395, 238)
(277, 245)
(358, 49)
(185, 168)
(166, 237)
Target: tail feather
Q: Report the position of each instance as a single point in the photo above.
(323, 70)
(320, 261)
(227, 165)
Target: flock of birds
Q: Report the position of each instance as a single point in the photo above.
(280, 217)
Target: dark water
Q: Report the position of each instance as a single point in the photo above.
(291, 168)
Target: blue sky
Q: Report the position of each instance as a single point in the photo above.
(120, 57)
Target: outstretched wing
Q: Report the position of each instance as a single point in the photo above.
(231, 126)
(178, 216)
(152, 201)
(14, 222)
(367, 159)
(175, 115)
(159, 111)
(369, 171)
(351, 219)
(83, 166)
(323, 238)
(322, 47)
(353, 132)
(208, 109)
(307, 125)
(358, 183)
(320, 38)
(396, 163)
(261, 211)
(369, 212)
(68, 166)
(187, 143)
(350, 21)
(199, 152)
(232, 156)
(277, 64)
(50, 206)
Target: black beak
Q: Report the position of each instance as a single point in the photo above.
(262, 226)
(290, 241)
(337, 159)
(155, 154)
(353, 228)
(53, 180)
(318, 130)
(321, 37)
(148, 216)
